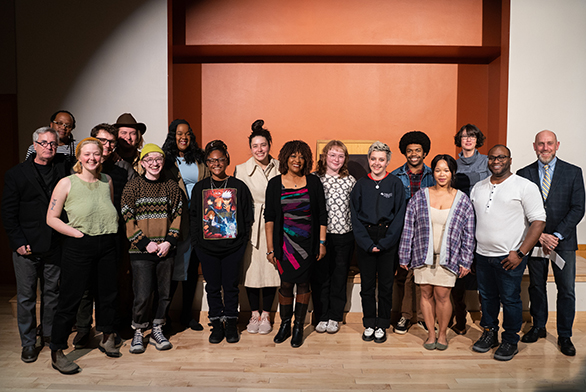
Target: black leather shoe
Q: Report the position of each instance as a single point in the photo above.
(566, 346)
(534, 334)
(29, 354)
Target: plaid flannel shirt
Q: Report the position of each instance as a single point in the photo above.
(415, 246)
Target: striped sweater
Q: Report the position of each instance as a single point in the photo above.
(152, 212)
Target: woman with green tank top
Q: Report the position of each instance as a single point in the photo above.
(89, 251)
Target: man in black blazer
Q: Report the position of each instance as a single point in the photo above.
(27, 190)
(562, 188)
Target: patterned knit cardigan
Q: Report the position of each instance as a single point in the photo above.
(416, 247)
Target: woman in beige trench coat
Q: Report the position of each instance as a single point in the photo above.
(259, 276)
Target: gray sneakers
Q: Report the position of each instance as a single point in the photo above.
(137, 345)
(158, 339)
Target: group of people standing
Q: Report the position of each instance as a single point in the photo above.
(278, 226)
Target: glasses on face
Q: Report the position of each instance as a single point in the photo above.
(469, 137)
(214, 161)
(500, 158)
(64, 125)
(112, 143)
(46, 144)
(150, 161)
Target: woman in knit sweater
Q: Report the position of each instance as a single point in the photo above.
(151, 206)
(438, 243)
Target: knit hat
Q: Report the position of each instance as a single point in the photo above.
(150, 147)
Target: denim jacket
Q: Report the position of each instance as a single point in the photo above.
(427, 179)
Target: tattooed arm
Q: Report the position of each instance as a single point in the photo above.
(58, 198)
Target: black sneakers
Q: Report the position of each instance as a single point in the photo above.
(506, 351)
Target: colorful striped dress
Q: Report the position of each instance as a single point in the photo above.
(296, 264)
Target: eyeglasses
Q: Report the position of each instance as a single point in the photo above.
(46, 144)
(469, 137)
(60, 124)
(213, 160)
(112, 143)
(500, 158)
(150, 161)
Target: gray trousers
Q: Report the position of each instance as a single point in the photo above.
(28, 271)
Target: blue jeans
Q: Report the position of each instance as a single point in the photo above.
(565, 280)
(28, 270)
(498, 286)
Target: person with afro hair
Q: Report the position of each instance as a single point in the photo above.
(414, 175)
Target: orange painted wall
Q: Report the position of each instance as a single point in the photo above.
(361, 22)
(324, 101)
(357, 99)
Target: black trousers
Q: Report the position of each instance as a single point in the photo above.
(372, 265)
(330, 277)
(87, 262)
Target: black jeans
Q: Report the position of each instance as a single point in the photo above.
(87, 262)
(144, 275)
(330, 277)
(221, 273)
(28, 270)
(372, 265)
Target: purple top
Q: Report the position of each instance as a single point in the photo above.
(416, 247)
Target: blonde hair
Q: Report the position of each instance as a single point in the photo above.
(321, 163)
(90, 140)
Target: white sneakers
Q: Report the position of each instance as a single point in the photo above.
(265, 326)
(253, 324)
(321, 327)
(330, 326)
(259, 324)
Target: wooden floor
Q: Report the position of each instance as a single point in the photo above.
(324, 363)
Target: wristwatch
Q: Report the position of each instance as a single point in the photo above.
(520, 254)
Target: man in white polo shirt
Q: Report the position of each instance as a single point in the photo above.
(509, 219)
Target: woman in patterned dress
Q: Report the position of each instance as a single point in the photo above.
(330, 277)
(296, 224)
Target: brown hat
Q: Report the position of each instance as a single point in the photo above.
(127, 120)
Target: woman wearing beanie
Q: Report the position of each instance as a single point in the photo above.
(151, 207)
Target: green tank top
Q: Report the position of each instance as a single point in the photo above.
(89, 206)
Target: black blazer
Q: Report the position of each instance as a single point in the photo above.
(25, 201)
(565, 202)
(274, 213)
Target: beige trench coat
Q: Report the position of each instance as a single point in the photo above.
(256, 270)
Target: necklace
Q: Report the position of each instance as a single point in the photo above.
(223, 186)
(378, 182)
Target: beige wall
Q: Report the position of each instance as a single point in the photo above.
(95, 59)
(547, 80)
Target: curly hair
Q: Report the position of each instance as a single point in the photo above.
(192, 155)
(217, 145)
(415, 137)
(292, 147)
(471, 130)
(258, 130)
(322, 164)
(452, 165)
